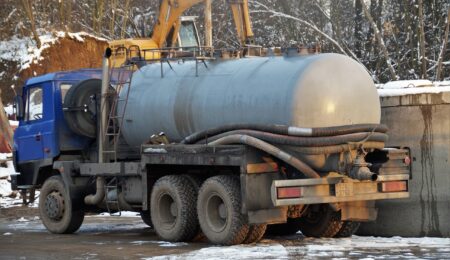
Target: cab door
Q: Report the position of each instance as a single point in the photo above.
(29, 134)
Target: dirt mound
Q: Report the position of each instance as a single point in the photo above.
(68, 54)
(61, 52)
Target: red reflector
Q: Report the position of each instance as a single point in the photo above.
(289, 192)
(393, 186)
(407, 160)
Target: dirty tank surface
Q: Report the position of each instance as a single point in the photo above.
(22, 236)
(305, 91)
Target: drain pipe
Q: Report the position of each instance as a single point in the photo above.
(98, 197)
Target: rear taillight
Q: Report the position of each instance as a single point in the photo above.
(394, 186)
(289, 192)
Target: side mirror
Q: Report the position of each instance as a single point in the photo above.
(18, 107)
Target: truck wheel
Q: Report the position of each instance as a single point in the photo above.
(219, 210)
(173, 208)
(291, 227)
(348, 229)
(59, 213)
(146, 218)
(197, 182)
(321, 221)
(255, 233)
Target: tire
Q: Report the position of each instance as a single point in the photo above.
(291, 227)
(59, 213)
(197, 182)
(255, 233)
(219, 210)
(348, 229)
(146, 218)
(173, 209)
(82, 122)
(321, 221)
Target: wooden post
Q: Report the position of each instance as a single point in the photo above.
(6, 133)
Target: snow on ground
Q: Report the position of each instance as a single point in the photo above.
(410, 87)
(25, 52)
(312, 248)
(6, 170)
(9, 109)
(129, 214)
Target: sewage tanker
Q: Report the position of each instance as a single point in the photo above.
(232, 149)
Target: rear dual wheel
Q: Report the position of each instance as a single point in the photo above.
(173, 208)
(318, 221)
(219, 212)
(322, 221)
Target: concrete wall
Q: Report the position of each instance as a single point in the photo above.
(422, 123)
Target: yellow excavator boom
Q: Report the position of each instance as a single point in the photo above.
(165, 32)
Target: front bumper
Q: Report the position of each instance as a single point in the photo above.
(339, 189)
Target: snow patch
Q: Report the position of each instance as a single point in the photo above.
(407, 84)
(412, 87)
(128, 214)
(260, 251)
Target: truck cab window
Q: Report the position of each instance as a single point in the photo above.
(188, 35)
(34, 109)
(64, 88)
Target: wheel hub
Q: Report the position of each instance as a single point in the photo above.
(222, 211)
(54, 205)
(173, 209)
(216, 213)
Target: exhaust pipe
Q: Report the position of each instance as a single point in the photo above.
(360, 170)
(98, 197)
(363, 174)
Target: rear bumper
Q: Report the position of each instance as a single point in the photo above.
(339, 189)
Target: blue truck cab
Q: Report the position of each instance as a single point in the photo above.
(43, 135)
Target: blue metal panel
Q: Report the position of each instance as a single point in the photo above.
(46, 137)
(67, 140)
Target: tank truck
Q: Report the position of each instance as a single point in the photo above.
(230, 148)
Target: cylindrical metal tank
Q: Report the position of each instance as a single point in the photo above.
(305, 91)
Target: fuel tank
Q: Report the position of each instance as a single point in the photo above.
(181, 98)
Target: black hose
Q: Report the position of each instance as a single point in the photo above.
(270, 149)
(305, 141)
(287, 130)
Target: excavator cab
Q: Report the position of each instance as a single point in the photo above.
(183, 36)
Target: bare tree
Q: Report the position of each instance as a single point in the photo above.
(112, 22)
(28, 8)
(423, 59)
(443, 48)
(380, 40)
(125, 19)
